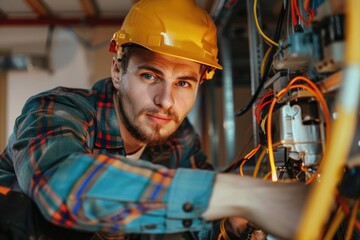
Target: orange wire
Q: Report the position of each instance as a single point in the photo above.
(309, 9)
(322, 101)
(346, 209)
(293, 14)
(314, 91)
(260, 109)
(259, 106)
(247, 157)
(299, 14)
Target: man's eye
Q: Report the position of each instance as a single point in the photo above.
(148, 76)
(183, 84)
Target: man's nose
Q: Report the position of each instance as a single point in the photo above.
(164, 96)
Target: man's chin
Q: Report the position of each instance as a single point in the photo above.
(156, 137)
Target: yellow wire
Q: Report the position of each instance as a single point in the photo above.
(264, 60)
(321, 198)
(351, 224)
(338, 218)
(258, 163)
(259, 29)
(269, 139)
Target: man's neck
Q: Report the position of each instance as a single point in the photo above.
(131, 144)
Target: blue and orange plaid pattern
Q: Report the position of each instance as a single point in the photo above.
(67, 153)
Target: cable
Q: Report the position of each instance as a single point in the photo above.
(321, 197)
(293, 14)
(266, 56)
(253, 98)
(239, 156)
(223, 233)
(269, 174)
(351, 223)
(309, 9)
(269, 120)
(297, 10)
(313, 177)
(321, 99)
(344, 206)
(259, 29)
(338, 218)
(247, 157)
(312, 88)
(262, 104)
(242, 161)
(258, 162)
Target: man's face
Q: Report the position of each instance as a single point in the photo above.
(155, 94)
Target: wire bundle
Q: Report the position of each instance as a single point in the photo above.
(262, 103)
(313, 90)
(296, 13)
(339, 216)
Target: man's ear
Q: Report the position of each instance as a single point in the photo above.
(115, 73)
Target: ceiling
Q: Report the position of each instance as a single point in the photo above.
(22, 13)
(68, 12)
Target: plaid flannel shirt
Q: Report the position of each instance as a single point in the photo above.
(67, 154)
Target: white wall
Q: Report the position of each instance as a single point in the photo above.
(69, 63)
(74, 63)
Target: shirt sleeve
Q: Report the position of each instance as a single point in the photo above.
(74, 188)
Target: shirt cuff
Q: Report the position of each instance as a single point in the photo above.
(189, 197)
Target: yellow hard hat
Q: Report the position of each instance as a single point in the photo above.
(179, 28)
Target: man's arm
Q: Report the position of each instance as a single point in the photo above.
(274, 207)
(52, 155)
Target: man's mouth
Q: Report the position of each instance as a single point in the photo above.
(159, 118)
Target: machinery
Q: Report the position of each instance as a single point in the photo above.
(308, 76)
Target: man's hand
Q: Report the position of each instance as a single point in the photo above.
(238, 225)
(274, 207)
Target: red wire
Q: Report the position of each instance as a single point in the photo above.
(346, 209)
(261, 104)
(230, 4)
(299, 14)
(293, 14)
(309, 9)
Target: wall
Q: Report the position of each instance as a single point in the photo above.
(76, 57)
(3, 110)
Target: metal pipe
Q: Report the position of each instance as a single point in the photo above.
(61, 21)
(256, 54)
(228, 98)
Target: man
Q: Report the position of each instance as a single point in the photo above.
(103, 161)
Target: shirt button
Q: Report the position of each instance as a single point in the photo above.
(187, 222)
(188, 207)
